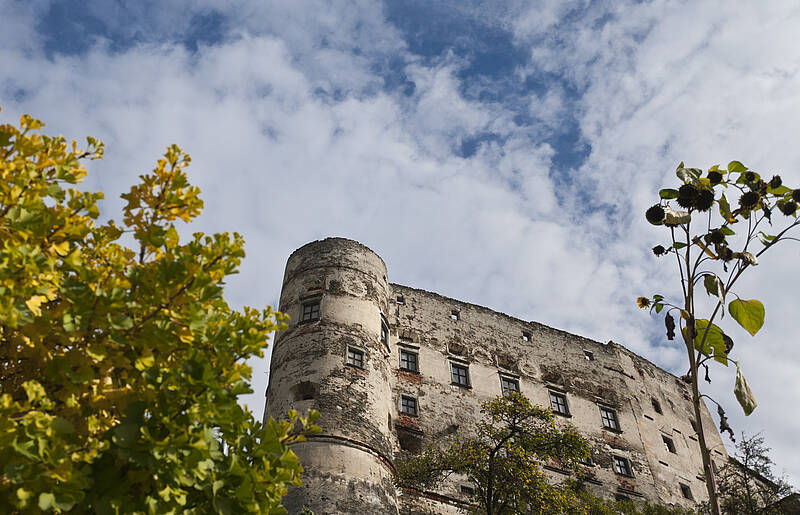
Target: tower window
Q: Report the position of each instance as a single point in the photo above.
(355, 357)
(400, 300)
(588, 355)
(310, 311)
(408, 405)
(526, 336)
(686, 491)
(609, 418)
(409, 361)
(459, 374)
(656, 406)
(558, 403)
(467, 490)
(455, 315)
(384, 331)
(669, 444)
(509, 385)
(622, 466)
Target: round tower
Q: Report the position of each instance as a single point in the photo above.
(334, 358)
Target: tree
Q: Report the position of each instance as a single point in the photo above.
(747, 485)
(502, 459)
(120, 367)
(709, 251)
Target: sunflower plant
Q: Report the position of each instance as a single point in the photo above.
(719, 224)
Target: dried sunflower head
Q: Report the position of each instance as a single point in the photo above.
(750, 176)
(749, 200)
(715, 177)
(715, 236)
(659, 250)
(796, 195)
(788, 208)
(775, 182)
(705, 200)
(655, 215)
(687, 196)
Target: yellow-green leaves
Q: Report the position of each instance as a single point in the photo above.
(749, 314)
(743, 393)
(100, 408)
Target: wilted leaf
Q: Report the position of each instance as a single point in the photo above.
(714, 287)
(668, 193)
(676, 217)
(743, 393)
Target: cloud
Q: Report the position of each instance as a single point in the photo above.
(309, 121)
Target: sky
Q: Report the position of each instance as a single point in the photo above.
(502, 153)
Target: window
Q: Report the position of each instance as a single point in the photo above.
(384, 331)
(408, 405)
(355, 357)
(622, 466)
(460, 374)
(455, 315)
(656, 406)
(509, 385)
(400, 300)
(694, 424)
(467, 490)
(558, 403)
(686, 491)
(310, 311)
(669, 444)
(588, 355)
(609, 417)
(526, 336)
(408, 360)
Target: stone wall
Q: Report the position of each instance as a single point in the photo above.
(349, 466)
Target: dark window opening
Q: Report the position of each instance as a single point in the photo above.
(455, 315)
(669, 444)
(459, 374)
(620, 497)
(558, 403)
(408, 405)
(622, 466)
(509, 385)
(305, 391)
(694, 424)
(355, 357)
(408, 361)
(400, 300)
(526, 336)
(384, 331)
(409, 441)
(686, 491)
(467, 490)
(588, 355)
(656, 406)
(310, 311)
(609, 418)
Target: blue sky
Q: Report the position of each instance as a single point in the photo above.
(501, 153)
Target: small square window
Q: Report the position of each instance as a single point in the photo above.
(408, 405)
(622, 466)
(400, 300)
(509, 385)
(455, 315)
(588, 355)
(409, 361)
(467, 490)
(310, 311)
(558, 403)
(609, 417)
(669, 444)
(355, 357)
(656, 406)
(526, 336)
(686, 491)
(459, 374)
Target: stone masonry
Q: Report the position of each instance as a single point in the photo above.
(391, 367)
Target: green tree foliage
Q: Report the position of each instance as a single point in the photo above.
(748, 485)
(502, 457)
(718, 226)
(120, 367)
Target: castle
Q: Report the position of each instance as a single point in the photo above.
(391, 367)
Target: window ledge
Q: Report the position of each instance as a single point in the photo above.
(612, 430)
(565, 415)
(464, 386)
(356, 367)
(310, 320)
(408, 371)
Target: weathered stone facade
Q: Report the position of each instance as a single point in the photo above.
(342, 352)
